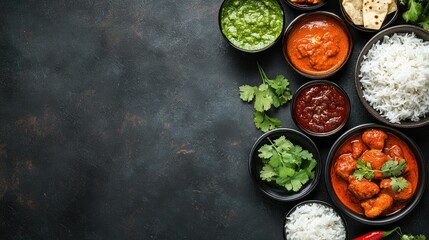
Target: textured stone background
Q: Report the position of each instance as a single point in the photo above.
(121, 119)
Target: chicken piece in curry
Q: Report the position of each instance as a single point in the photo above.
(375, 206)
(345, 166)
(374, 173)
(374, 138)
(362, 189)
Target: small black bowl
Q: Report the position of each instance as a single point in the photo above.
(419, 189)
(390, 19)
(306, 6)
(253, 50)
(271, 189)
(420, 33)
(323, 204)
(321, 83)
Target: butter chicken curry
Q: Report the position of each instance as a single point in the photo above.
(374, 173)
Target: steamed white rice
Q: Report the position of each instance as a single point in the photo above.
(395, 77)
(314, 221)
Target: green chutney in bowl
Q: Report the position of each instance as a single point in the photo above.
(251, 25)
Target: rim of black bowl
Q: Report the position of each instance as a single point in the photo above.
(404, 28)
(246, 50)
(275, 192)
(336, 210)
(386, 23)
(302, 17)
(410, 205)
(306, 7)
(319, 82)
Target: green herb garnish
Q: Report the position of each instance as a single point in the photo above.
(390, 168)
(398, 183)
(417, 12)
(270, 93)
(287, 164)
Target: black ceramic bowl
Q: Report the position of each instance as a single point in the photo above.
(341, 220)
(330, 104)
(270, 189)
(388, 21)
(306, 6)
(251, 50)
(420, 33)
(307, 18)
(419, 189)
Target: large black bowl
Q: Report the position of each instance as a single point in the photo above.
(420, 188)
(420, 33)
(271, 190)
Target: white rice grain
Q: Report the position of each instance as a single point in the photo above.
(314, 221)
(395, 77)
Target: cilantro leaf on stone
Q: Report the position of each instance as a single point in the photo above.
(271, 93)
(264, 122)
(247, 93)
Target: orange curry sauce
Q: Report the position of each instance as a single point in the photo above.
(318, 46)
(340, 186)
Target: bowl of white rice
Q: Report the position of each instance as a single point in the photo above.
(392, 76)
(314, 219)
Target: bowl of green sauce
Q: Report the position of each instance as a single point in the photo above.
(251, 25)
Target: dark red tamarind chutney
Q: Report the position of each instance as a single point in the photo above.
(321, 108)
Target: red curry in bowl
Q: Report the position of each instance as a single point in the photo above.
(320, 108)
(374, 173)
(317, 44)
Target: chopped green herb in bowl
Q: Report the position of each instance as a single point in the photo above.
(285, 164)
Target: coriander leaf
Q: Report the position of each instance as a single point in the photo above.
(285, 172)
(414, 11)
(291, 171)
(264, 122)
(275, 160)
(288, 186)
(247, 92)
(363, 170)
(306, 155)
(262, 99)
(296, 185)
(280, 84)
(282, 144)
(413, 237)
(267, 173)
(398, 183)
(310, 168)
(393, 168)
(266, 151)
(270, 93)
(275, 101)
(424, 23)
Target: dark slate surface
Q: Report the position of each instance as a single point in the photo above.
(122, 120)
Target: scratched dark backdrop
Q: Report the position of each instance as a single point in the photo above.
(122, 120)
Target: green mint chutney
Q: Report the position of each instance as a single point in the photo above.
(251, 24)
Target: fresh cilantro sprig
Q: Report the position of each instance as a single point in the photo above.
(417, 12)
(391, 168)
(286, 164)
(398, 183)
(270, 93)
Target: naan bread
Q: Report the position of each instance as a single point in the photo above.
(374, 13)
(392, 7)
(353, 8)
